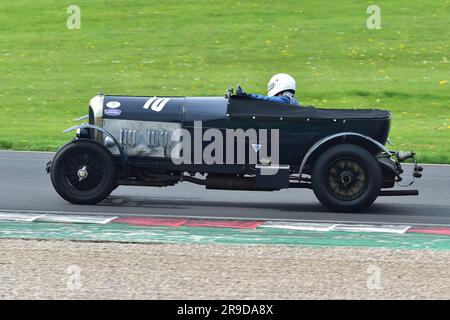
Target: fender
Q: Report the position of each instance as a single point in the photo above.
(319, 143)
(123, 156)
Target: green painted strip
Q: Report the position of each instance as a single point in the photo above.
(124, 233)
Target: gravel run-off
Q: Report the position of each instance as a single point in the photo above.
(41, 269)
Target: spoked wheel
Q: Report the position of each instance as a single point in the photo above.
(346, 178)
(83, 172)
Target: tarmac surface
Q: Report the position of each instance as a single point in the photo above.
(25, 187)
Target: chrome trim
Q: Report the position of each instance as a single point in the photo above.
(96, 104)
(127, 137)
(109, 143)
(159, 138)
(133, 137)
(334, 136)
(90, 126)
(144, 138)
(122, 136)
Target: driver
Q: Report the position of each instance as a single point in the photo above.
(281, 89)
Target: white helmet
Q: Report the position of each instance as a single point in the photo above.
(279, 83)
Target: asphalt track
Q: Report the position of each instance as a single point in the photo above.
(25, 187)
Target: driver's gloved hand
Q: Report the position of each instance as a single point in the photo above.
(239, 91)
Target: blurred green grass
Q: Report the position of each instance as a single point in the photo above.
(48, 73)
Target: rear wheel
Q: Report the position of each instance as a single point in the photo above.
(346, 178)
(83, 172)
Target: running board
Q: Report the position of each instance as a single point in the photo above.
(392, 193)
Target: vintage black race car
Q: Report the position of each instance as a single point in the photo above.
(224, 143)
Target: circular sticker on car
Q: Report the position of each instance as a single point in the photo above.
(113, 104)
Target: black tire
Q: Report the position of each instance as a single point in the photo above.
(98, 163)
(346, 178)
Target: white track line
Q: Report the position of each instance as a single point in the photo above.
(304, 226)
(25, 217)
(347, 227)
(62, 218)
(398, 229)
(39, 217)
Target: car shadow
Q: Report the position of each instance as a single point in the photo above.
(183, 205)
(188, 203)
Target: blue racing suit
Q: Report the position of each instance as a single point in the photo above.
(278, 99)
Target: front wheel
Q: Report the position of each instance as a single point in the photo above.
(346, 178)
(83, 172)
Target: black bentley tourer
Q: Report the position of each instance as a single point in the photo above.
(232, 143)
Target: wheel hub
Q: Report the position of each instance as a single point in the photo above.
(346, 178)
(82, 173)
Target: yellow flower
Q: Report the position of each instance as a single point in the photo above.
(443, 82)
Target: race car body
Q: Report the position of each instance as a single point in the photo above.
(232, 143)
